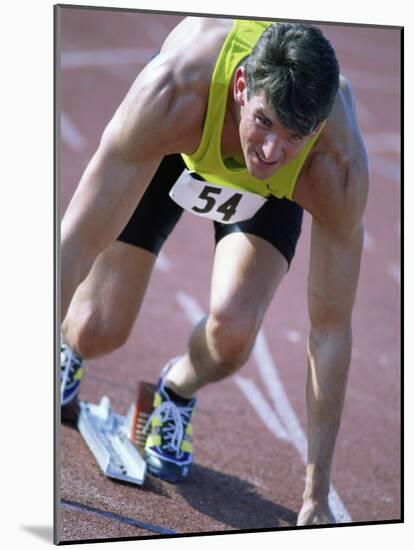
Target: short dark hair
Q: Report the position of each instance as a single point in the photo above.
(296, 68)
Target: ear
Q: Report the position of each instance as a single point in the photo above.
(240, 87)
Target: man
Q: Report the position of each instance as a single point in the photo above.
(260, 115)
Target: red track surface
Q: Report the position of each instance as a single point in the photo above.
(244, 477)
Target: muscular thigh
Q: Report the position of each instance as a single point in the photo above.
(109, 299)
(247, 271)
(253, 256)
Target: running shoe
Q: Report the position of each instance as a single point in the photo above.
(168, 448)
(71, 372)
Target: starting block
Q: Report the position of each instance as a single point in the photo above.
(117, 441)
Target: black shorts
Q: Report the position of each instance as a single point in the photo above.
(278, 221)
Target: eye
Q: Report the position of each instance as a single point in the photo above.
(295, 139)
(263, 121)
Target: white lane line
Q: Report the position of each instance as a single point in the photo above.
(70, 135)
(273, 384)
(385, 142)
(263, 410)
(191, 307)
(162, 263)
(81, 59)
(271, 378)
(277, 394)
(394, 271)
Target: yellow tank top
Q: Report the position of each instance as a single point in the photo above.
(207, 160)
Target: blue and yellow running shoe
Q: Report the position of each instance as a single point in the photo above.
(168, 449)
(71, 372)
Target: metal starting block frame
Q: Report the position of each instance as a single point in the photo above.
(107, 436)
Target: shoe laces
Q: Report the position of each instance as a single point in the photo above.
(175, 419)
(70, 362)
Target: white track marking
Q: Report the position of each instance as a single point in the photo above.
(386, 142)
(271, 378)
(274, 386)
(263, 410)
(163, 263)
(70, 135)
(81, 59)
(394, 271)
(191, 307)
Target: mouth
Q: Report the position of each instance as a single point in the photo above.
(265, 163)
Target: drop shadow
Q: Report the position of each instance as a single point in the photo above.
(43, 532)
(150, 485)
(232, 501)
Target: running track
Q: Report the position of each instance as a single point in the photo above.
(250, 445)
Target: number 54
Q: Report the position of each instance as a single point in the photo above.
(228, 208)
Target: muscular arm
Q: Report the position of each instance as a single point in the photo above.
(109, 190)
(149, 123)
(332, 284)
(337, 196)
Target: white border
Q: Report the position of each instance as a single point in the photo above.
(27, 240)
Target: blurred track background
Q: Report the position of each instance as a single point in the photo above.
(249, 429)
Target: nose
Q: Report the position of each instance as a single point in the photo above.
(273, 149)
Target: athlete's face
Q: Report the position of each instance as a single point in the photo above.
(265, 143)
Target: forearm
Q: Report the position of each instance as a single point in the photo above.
(104, 201)
(329, 355)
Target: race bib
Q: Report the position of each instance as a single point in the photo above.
(216, 202)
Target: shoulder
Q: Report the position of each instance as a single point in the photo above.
(166, 103)
(334, 183)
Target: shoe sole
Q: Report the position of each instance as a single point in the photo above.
(165, 476)
(69, 413)
(168, 472)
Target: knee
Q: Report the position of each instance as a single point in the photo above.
(92, 335)
(232, 335)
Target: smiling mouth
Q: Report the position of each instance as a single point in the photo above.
(263, 161)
